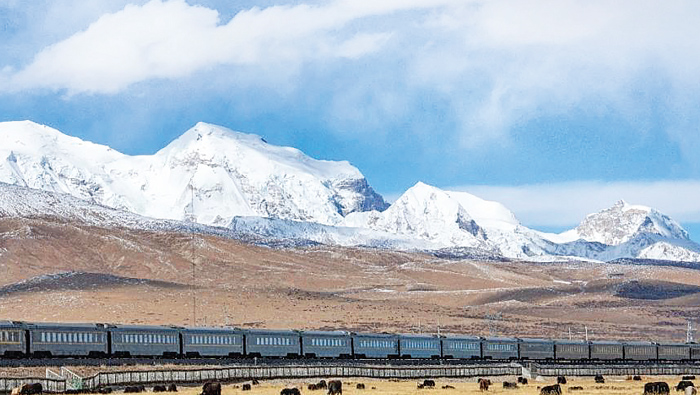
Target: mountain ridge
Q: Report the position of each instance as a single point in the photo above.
(240, 182)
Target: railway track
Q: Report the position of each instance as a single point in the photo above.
(223, 362)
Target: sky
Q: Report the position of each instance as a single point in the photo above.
(555, 108)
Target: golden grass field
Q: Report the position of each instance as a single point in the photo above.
(612, 386)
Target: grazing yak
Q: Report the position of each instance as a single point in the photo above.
(360, 386)
(551, 390)
(159, 388)
(28, 389)
(576, 388)
(656, 388)
(522, 380)
(246, 387)
(290, 391)
(484, 384)
(510, 386)
(561, 380)
(104, 390)
(312, 387)
(688, 377)
(599, 379)
(448, 387)
(172, 388)
(428, 383)
(211, 388)
(134, 389)
(683, 384)
(335, 387)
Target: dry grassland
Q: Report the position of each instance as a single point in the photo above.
(613, 386)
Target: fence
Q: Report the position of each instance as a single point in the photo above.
(49, 385)
(240, 373)
(613, 370)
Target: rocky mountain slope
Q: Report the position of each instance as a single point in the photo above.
(223, 173)
(247, 188)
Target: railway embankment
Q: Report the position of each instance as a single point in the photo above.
(150, 375)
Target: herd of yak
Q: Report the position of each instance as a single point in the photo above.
(335, 387)
(656, 388)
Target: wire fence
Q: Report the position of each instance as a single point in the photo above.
(241, 373)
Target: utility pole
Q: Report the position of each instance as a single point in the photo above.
(193, 221)
(689, 333)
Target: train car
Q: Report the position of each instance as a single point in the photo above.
(67, 340)
(461, 347)
(571, 350)
(13, 339)
(212, 342)
(272, 343)
(145, 341)
(419, 346)
(326, 344)
(694, 351)
(500, 348)
(536, 348)
(673, 352)
(371, 345)
(606, 350)
(639, 351)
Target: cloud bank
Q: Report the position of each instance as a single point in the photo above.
(488, 67)
(567, 204)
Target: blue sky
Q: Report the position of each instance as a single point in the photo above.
(555, 108)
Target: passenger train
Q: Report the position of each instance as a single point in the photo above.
(45, 340)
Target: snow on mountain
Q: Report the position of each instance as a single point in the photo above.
(427, 213)
(224, 173)
(241, 182)
(279, 229)
(627, 231)
(622, 222)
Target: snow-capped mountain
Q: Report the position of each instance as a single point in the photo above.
(427, 213)
(224, 173)
(248, 187)
(627, 231)
(623, 222)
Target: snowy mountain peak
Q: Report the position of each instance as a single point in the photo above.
(210, 172)
(428, 213)
(623, 222)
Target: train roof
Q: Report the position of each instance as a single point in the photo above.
(64, 326)
(672, 344)
(143, 328)
(326, 333)
(419, 336)
(501, 339)
(217, 329)
(14, 324)
(461, 337)
(271, 331)
(639, 343)
(569, 341)
(606, 342)
(535, 340)
(379, 335)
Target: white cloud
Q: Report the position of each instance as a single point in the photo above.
(566, 204)
(495, 64)
(171, 39)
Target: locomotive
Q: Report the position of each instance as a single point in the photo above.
(50, 340)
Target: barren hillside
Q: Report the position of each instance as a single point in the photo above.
(56, 271)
